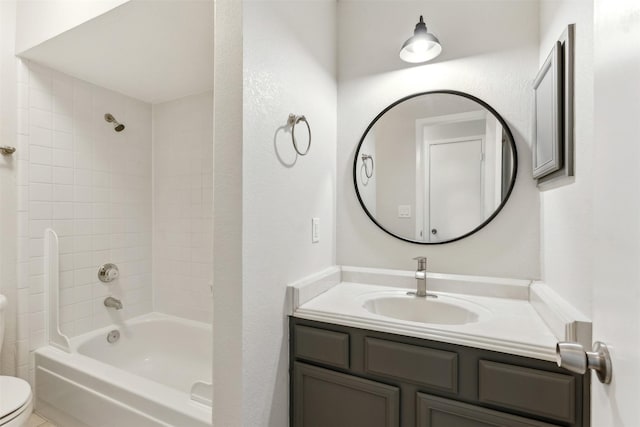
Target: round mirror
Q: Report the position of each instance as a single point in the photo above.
(435, 167)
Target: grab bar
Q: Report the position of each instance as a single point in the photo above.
(202, 392)
(55, 337)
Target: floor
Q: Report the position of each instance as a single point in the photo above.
(37, 421)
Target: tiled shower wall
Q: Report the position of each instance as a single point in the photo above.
(90, 184)
(183, 206)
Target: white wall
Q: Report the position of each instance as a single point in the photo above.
(8, 196)
(567, 212)
(227, 218)
(289, 67)
(396, 174)
(90, 184)
(183, 207)
(40, 20)
(495, 61)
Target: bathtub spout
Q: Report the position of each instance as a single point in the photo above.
(112, 302)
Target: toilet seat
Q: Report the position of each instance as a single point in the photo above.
(15, 401)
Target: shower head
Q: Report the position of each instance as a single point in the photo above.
(119, 127)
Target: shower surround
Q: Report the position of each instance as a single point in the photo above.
(96, 187)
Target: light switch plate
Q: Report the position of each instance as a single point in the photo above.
(404, 211)
(315, 230)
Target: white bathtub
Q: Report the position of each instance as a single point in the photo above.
(143, 379)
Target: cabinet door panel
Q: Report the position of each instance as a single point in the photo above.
(537, 392)
(324, 398)
(438, 412)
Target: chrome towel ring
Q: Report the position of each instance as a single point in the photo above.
(364, 167)
(293, 121)
(367, 172)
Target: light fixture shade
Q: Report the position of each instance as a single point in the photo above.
(422, 46)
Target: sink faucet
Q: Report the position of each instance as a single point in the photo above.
(421, 279)
(112, 302)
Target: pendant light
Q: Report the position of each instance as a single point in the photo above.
(422, 46)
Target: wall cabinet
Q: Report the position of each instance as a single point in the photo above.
(350, 377)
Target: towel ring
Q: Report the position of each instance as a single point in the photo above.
(293, 121)
(366, 157)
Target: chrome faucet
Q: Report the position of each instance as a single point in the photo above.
(421, 279)
(112, 302)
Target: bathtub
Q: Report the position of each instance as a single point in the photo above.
(155, 374)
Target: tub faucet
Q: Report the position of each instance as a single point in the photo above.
(421, 279)
(112, 302)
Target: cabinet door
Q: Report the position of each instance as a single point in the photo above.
(323, 398)
(438, 412)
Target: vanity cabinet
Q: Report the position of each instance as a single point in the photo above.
(349, 377)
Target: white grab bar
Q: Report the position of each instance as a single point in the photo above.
(55, 337)
(202, 392)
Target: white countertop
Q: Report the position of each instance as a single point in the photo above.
(509, 325)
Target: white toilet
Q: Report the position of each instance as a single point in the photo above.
(15, 393)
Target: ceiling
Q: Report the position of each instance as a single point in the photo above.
(152, 50)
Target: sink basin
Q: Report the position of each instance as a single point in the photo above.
(442, 310)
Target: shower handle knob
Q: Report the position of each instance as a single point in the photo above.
(572, 357)
(108, 272)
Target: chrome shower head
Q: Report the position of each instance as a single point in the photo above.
(119, 127)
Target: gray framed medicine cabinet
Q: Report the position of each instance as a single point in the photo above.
(445, 165)
(342, 376)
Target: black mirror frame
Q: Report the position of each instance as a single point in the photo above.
(505, 127)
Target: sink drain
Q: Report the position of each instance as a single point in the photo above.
(113, 336)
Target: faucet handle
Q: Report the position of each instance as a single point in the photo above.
(422, 262)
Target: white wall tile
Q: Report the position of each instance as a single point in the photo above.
(64, 137)
(40, 155)
(180, 227)
(40, 136)
(62, 175)
(40, 118)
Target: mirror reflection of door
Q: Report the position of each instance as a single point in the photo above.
(460, 166)
(454, 187)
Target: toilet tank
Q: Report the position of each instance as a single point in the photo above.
(3, 306)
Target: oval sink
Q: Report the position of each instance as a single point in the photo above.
(441, 310)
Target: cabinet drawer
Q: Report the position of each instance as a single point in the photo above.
(438, 412)
(433, 368)
(537, 392)
(320, 345)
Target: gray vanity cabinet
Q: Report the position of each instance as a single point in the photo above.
(350, 377)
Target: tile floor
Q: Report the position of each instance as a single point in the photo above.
(37, 421)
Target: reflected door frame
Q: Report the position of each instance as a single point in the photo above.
(422, 162)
